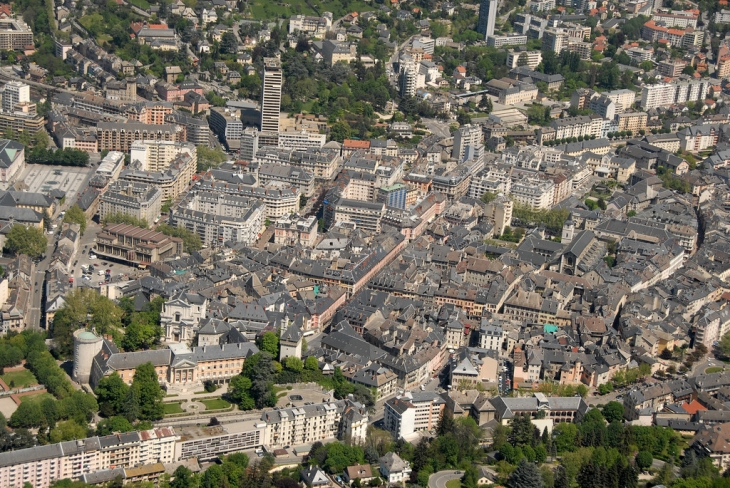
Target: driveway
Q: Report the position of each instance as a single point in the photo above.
(438, 480)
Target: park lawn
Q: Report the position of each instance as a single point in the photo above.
(453, 484)
(38, 397)
(215, 403)
(171, 408)
(715, 369)
(20, 379)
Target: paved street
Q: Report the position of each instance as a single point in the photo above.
(439, 480)
(437, 127)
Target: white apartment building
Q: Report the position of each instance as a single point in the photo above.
(491, 337)
(493, 180)
(676, 18)
(722, 16)
(624, 99)
(582, 125)
(413, 412)
(533, 192)
(531, 58)
(271, 95)
(466, 135)
(41, 466)
(664, 94)
(157, 155)
(278, 201)
(14, 92)
(306, 424)
(138, 200)
(301, 140)
(508, 40)
(220, 217)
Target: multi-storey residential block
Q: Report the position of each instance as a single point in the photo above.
(301, 140)
(676, 18)
(365, 215)
(306, 424)
(290, 175)
(157, 155)
(523, 58)
(197, 131)
(41, 466)
(116, 136)
(507, 40)
(633, 121)
(279, 202)
(467, 135)
(665, 94)
(226, 124)
(581, 125)
(316, 27)
(15, 35)
(218, 218)
(172, 181)
(137, 200)
(535, 193)
(271, 95)
(671, 68)
(413, 412)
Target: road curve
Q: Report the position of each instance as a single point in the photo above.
(438, 480)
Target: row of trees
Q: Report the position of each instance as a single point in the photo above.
(59, 157)
(122, 218)
(567, 140)
(191, 240)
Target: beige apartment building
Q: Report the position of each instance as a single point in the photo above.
(633, 121)
(41, 466)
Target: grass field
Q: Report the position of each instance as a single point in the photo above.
(715, 369)
(215, 403)
(39, 397)
(143, 4)
(453, 484)
(171, 408)
(20, 379)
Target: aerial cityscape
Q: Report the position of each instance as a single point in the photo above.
(348, 243)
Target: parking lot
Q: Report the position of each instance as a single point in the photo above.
(43, 179)
(118, 270)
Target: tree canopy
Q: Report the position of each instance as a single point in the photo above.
(26, 240)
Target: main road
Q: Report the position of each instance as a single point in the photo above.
(439, 480)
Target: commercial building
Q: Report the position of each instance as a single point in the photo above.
(487, 17)
(156, 156)
(135, 245)
(393, 195)
(271, 95)
(138, 200)
(41, 466)
(412, 412)
(306, 424)
(111, 166)
(116, 136)
(365, 215)
(15, 35)
(227, 125)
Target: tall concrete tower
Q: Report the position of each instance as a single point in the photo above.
(15, 92)
(86, 346)
(487, 17)
(271, 95)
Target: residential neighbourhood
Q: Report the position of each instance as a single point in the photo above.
(410, 243)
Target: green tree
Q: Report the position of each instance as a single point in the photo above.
(724, 345)
(111, 393)
(26, 240)
(644, 459)
(191, 240)
(147, 388)
(239, 392)
(113, 424)
(311, 364)
(613, 412)
(295, 364)
(209, 158)
(525, 476)
(269, 342)
(67, 430)
(340, 131)
(76, 215)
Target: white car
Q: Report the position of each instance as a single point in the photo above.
(92, 256)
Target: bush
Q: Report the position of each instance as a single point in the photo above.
(209, 386)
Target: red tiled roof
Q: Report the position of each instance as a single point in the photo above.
(693, 408)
